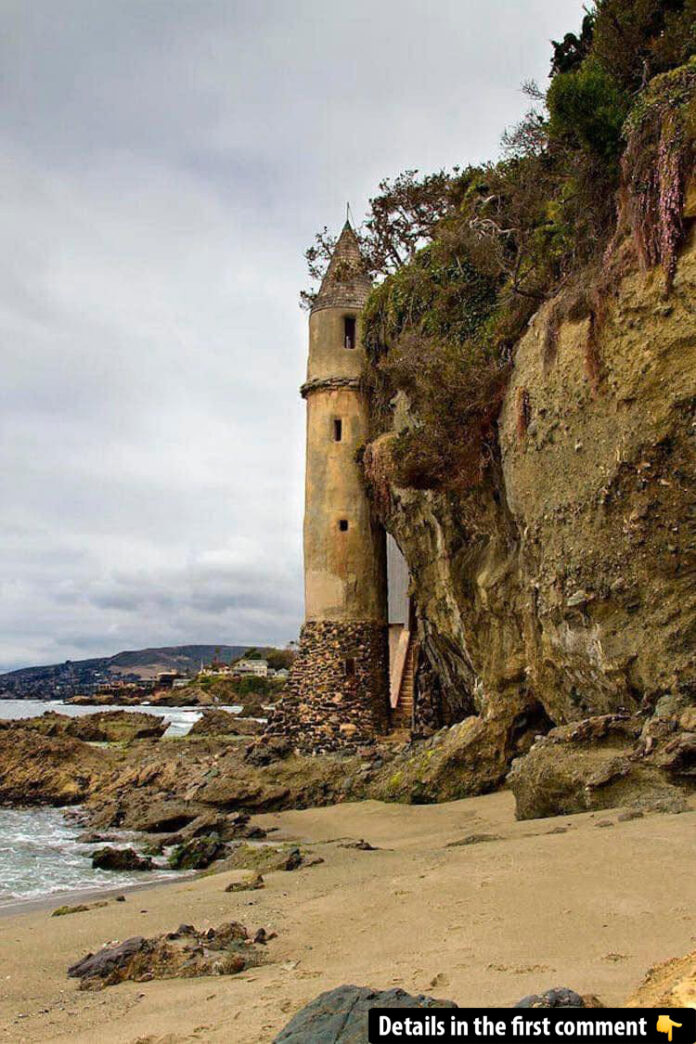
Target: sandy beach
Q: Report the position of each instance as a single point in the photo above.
(570, 901)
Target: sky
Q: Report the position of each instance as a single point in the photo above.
(165, 163)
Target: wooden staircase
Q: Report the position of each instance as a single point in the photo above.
(402, 714)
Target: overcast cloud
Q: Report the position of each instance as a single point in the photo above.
(164, 165)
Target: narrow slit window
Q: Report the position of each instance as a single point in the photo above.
(350, 667)
(338, 429)
(343, 525)
(349, 331)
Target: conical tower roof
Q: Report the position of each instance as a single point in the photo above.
(346, 283)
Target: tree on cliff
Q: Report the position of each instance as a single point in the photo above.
(400, 220)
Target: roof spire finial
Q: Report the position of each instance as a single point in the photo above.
(346, 281)
(349, 214)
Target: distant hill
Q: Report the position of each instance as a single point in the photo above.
(79, 676)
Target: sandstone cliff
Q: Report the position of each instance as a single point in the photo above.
(563, 586)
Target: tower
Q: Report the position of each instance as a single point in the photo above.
(338, 690)
(344, 549)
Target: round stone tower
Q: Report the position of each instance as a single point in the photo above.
(344, 549)
(338, 687)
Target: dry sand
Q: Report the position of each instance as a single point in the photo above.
(591, 907)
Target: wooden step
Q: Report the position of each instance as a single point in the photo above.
(402, 715)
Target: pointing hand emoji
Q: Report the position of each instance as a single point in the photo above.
(665, 1025)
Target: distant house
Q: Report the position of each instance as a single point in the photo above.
(217, 670)
(258, 668)
(166, 679)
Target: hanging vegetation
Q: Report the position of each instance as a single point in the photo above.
(657, 164)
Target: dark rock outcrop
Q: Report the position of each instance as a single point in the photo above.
(120, 859)
(268, 749)
(340, 1016)
(561, 997)
(163, 787)
(185, 953)
(198, 853)
(159, 817)
(234, 826)
(109, 960)
(255, 794)
(116, 726)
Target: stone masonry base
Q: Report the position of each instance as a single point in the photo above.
(337, 693)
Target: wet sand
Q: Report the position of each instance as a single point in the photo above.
(77, 896)
(591, 907)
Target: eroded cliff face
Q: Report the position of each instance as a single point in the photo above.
(566, 582)
(601, 491)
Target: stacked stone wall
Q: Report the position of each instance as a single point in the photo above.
(337, 692)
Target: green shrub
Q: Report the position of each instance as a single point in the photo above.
(588, 108)
(635, 40)
(441, 293)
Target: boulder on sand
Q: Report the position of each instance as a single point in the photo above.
(110, 959)
(266, 859)
(246, 881)
(185, 953)
(340, 1016)
(602, 762)
(560, 997)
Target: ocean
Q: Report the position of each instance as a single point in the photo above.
(40, 854)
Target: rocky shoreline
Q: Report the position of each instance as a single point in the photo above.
(145, 803)
(137, 780)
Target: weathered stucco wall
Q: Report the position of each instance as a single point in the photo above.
(328, 356)
(345, 569)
